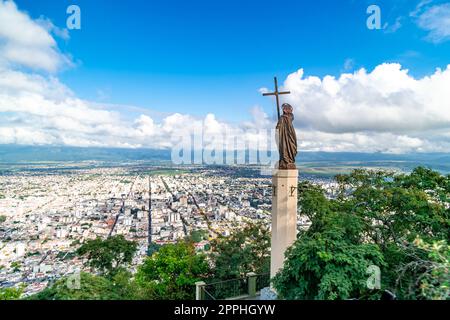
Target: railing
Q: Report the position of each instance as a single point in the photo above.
(230, 288)
(234, 289)
(262, 281)
(207, 295)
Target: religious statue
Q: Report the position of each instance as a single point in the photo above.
(285, 136)
(284, 185)
(286, 139)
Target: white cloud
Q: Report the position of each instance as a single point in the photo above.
(435, 20)
(419, 8)
(383, 110)
(26, 42)
(62, 33)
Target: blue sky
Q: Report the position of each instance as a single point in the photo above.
(202, 56)
(145, 73)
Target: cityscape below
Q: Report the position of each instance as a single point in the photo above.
(49, 208)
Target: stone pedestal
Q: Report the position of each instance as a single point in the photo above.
(284, 216)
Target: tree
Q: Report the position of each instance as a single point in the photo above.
(246, 250)
(16, 265)
(11, 293)
(91, 287)
(171, 272)
(199, 235)
(375, 218)
(108, 256)
(2, 218)
(152, 248)
(326, 263)
(431, 264)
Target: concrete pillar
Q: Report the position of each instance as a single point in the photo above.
(284, 216)
(251, 282)
(199, 292)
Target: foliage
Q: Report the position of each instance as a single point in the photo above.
(2, 219)
(11, 293)
(16, 265)
(152, 248)
(374, 219)
(431, 264)
(108, 256)
(246, 250)
(198, 235)
(91, 287)
(326, 264)
(171, 272)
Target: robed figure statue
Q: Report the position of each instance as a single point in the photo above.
(286, 139)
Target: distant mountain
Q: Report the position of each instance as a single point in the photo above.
(21, 154)
(14, 154)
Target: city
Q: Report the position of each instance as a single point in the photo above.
(48, 215)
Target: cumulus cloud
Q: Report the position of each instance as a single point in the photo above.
(26, 42)
(383, 110)
(37, 109)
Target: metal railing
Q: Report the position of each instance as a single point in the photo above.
(234, 289)
(262, 281)
(230, 288)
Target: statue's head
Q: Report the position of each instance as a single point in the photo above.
(287, 108)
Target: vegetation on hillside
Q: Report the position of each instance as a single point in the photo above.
(397, 223)
(108, 256)
(245, 250)
(10, 293)
(171, 273)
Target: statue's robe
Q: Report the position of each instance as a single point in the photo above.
(287, 142)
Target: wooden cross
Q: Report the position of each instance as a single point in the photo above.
(277, 94)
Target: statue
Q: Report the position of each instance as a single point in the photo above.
(286, 138)
(284, 185)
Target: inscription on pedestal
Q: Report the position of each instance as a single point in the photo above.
(292, 193)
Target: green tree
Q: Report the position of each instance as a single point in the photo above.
(108, 256)
(171, 272)
(91, 287)
(152, 248)
(246, 250)
(375, 218)
(16, 265)
(2, 219)
(198, 235)
(431, 266)
(11, 293)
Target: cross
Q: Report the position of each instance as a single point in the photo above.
(276, 94)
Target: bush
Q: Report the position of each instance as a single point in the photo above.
(374, 221)
(171, 272)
